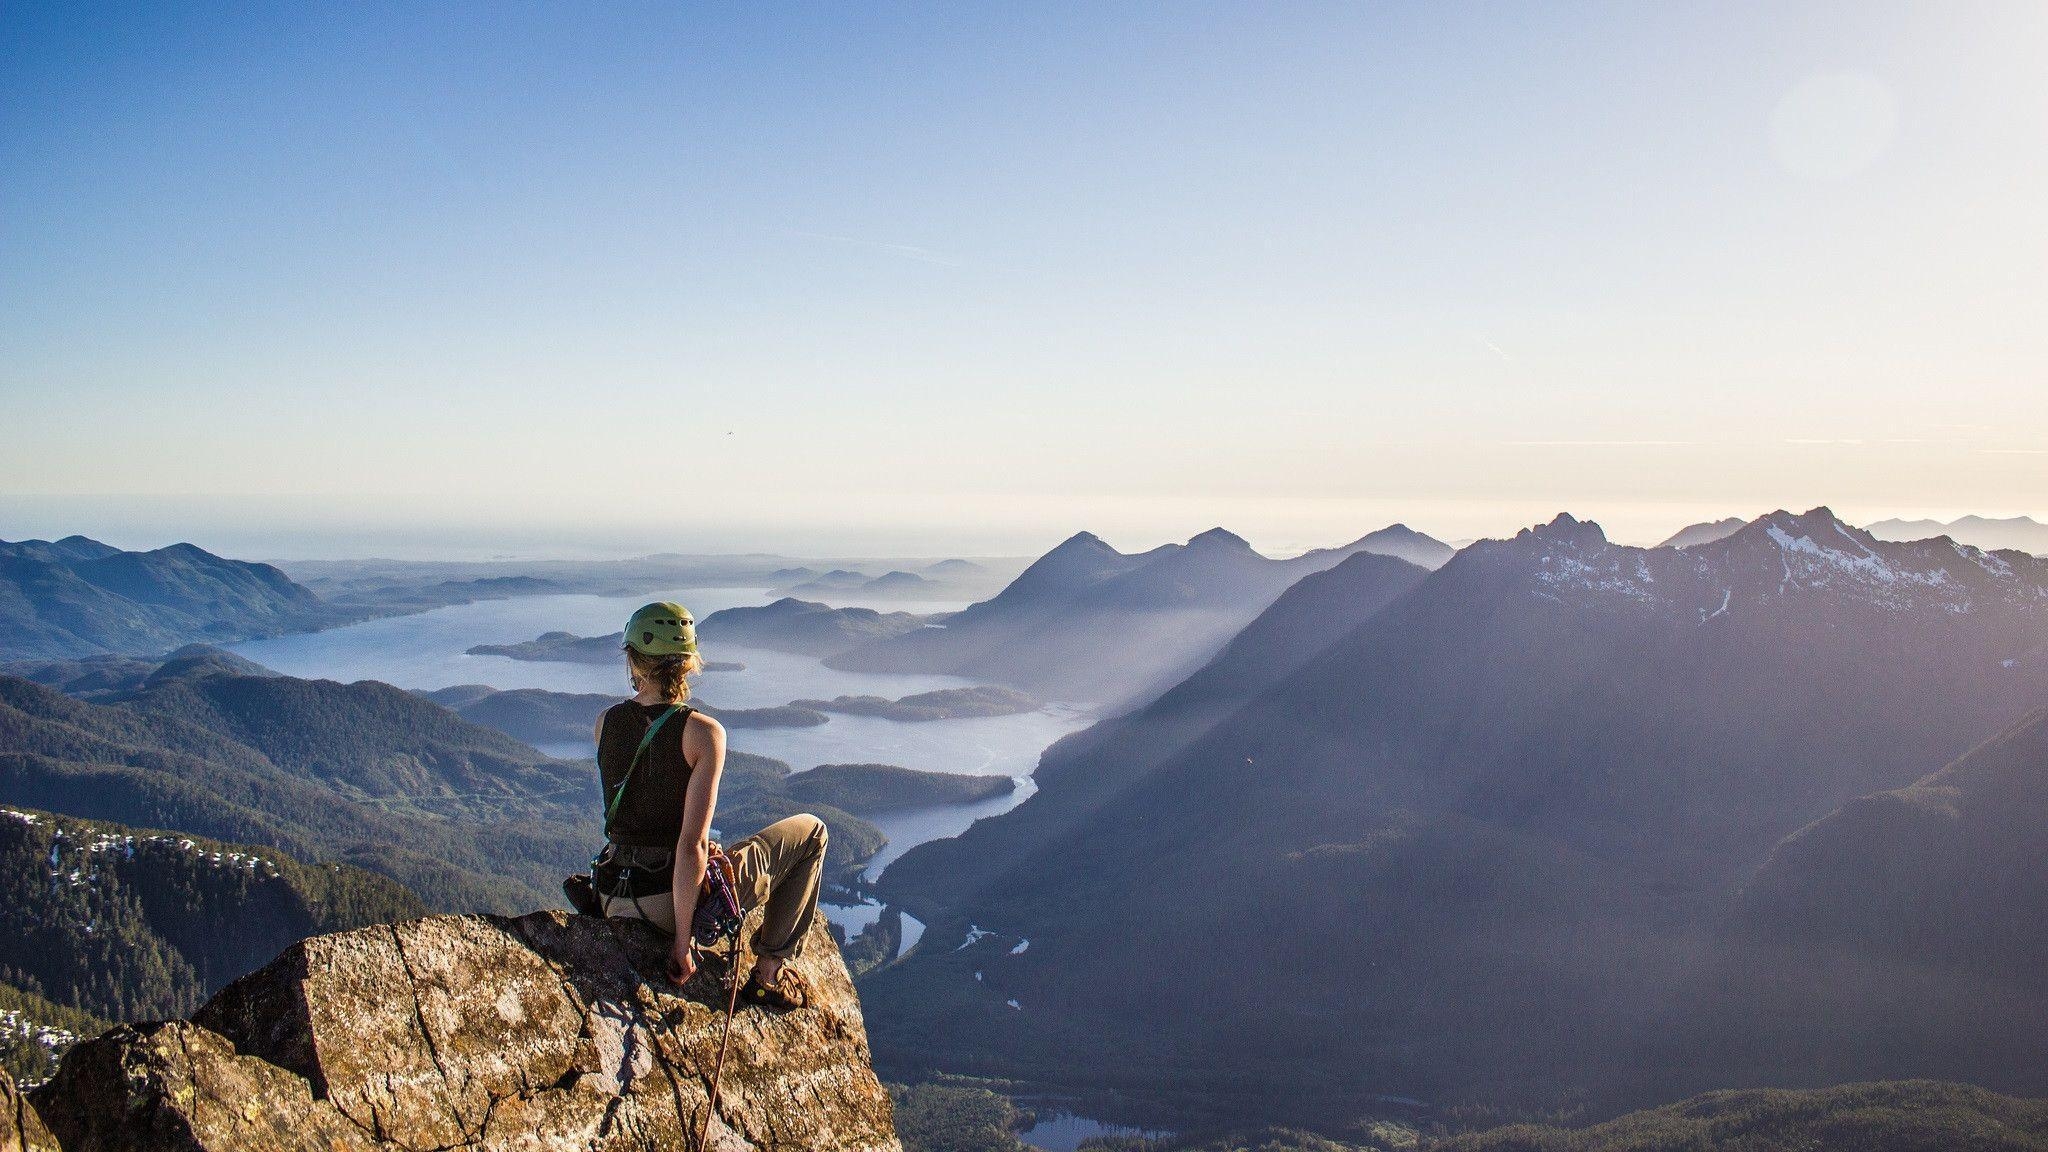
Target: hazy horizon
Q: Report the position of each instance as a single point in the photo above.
(285, 530)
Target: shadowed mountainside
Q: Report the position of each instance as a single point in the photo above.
(1487, 831)
(1905, 929)
(1081, 772)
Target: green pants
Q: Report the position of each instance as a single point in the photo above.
(778, 869)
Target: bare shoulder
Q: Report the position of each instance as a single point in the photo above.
(705, 725)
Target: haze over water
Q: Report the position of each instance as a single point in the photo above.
(428, 650)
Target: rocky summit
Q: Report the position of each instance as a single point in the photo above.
(548, 1031)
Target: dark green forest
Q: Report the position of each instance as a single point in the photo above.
(35, 1034)
(1898, 1116)
(130, 924)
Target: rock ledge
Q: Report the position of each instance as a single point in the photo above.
(545, 1032)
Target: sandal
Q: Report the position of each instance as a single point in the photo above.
(785, 994)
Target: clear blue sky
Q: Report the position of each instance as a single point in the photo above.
(969, 277)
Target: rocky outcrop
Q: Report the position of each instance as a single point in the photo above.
(20, 1129)
(549, 1031)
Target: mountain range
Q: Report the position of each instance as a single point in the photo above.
(2019, 532)
(895, 584)
(1086, 622)
(78, 597)
(1482, 842)
(1549, 824)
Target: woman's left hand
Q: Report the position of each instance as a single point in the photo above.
(682, 961)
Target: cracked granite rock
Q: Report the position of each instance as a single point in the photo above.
(20, 1129)
(545, 1032)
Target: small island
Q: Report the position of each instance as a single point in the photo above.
(783, 716)
(944, 704)
(873, 789)
(569, 648)
(805, 627)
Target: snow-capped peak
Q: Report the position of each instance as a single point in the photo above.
(1774, 557)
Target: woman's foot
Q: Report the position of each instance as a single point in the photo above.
(776, 988)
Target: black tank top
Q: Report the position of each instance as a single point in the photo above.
(651, 815)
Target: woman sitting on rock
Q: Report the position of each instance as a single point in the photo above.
(660, 761)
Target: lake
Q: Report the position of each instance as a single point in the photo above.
(1060, 1131)
(429, 650)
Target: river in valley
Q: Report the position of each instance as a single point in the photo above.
(429, 650)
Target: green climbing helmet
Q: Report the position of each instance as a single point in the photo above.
(662, 629)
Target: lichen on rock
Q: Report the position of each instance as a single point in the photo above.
(549, 1031)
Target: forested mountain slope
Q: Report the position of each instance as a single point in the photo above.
(76, 597)
(468, 818)
(132, 924)
(34, 1034)
(155, 770)
(1905, 1116)
(1904, 933)
(371, 742)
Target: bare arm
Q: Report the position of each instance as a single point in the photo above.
(704, 748)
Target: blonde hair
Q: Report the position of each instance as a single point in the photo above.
(667, 675)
